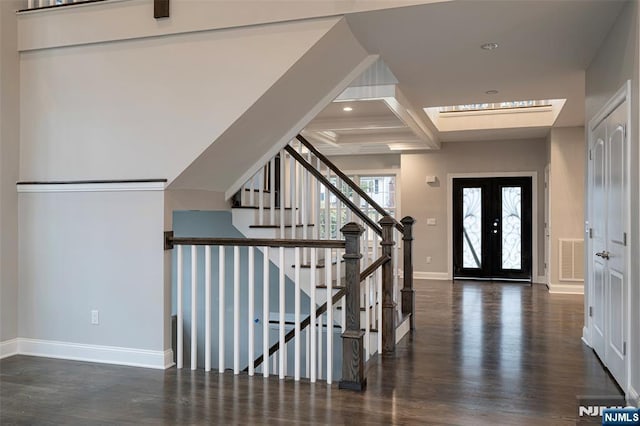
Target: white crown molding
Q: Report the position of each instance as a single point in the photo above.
(565, 288)
(96, 353)
(8, 348)
(90, 187)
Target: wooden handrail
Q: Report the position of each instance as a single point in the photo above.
(347, 180)
(316, 173)
(171, 241)
(375, 265)
(322, 309)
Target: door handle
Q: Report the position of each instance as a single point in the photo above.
(603, 254)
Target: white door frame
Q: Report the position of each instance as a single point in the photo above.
(622, 95)
(534, 214)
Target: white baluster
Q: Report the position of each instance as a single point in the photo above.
(320, 339)
(296, 321)
(179, 339)
(367, 318)
(327, 268)
(379, 308)
(316, 214)
(343, 313)
(250, 323)
(194, 307)
(272, 191)
(207, 308)
(327, 207)
(307, 347)
(281, 308)
(292, 195)
(282, 192)
(261, 198)
(221, 307)
(274, 358)
(30, 4)
(251, 184)
(265, 312)
(313, 321)
(236, 310)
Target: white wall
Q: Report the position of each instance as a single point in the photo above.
(93, 23)
(147, 108)
(566, 193)
(421, 200)
(616, 62)
(9, 155)
(81, 251)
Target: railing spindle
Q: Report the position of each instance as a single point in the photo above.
(265, 312)
(261, 199)
(327, 269)
(194, 307)
(221, 307)
(283, 185)
(207, 308)
(250, 325)
(236, 310)
(292, 195)
(296, 343)
(313, 321)
(281, 307)
(272, 192)
(180, 325)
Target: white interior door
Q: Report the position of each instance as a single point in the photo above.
(598, 239)
(617, 279)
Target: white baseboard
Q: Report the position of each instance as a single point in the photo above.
(403, 329)
(418, 275)
(633, 397)
(565, 288)
(540, 279)
(585, 336)
(8, 348)
(96, 353)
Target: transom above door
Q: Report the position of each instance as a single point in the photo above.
(492, 221)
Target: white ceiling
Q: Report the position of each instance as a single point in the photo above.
(434, 52)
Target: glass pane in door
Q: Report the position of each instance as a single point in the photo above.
(471, 227)
(512, 227)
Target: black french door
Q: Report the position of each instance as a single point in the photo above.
(492, 228)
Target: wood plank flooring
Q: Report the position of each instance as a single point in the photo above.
(483, 353)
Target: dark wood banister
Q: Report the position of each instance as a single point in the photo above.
(322, 309)
(170, 241)
(348, 181)
(316, 173)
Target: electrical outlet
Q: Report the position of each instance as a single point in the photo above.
(428, 259)
(95, 317)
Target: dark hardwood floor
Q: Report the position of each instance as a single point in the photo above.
(483, 353)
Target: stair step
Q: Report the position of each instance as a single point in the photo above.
(276, 226)
(257, 207)
(322, 286)
(319, 265)
(265, 191)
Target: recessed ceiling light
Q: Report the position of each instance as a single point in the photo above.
(347, 109)
(489, 46)
(491, 92)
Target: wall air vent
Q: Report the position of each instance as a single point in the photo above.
(571, 259)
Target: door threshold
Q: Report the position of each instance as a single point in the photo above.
(515, 280)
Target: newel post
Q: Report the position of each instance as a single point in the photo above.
(353, 376)
(408, 293)
(388, 305)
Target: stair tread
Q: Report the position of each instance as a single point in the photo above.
(335, 287)
(265, 191)
(320, 265)
(257, 207)
(276, 226)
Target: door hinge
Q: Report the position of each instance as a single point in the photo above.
(590, 155)
(624, 239)
(624, 349)
(590, 311)
(590, 232)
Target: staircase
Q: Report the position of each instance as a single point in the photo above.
(293, 211)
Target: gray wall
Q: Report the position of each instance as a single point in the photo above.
(219, 224)
(616, 62)
(9, 160)
(423, 201)
(81, 251)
